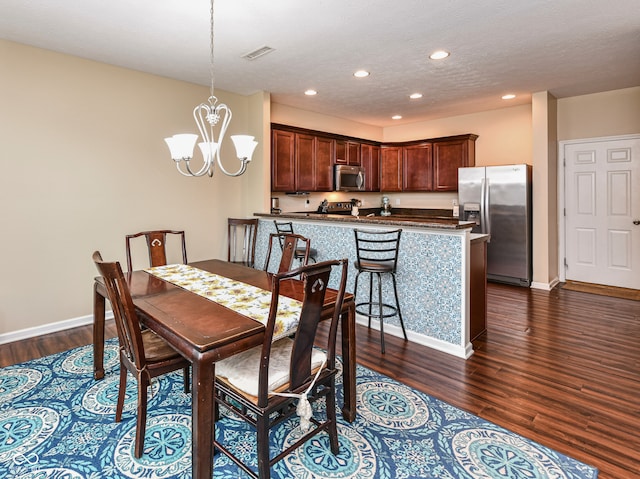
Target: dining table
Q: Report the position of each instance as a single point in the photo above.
(205, 331)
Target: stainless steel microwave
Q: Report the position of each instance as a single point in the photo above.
(349, 178)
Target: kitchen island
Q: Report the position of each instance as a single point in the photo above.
(441, 271)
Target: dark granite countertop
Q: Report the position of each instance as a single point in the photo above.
(437, 222)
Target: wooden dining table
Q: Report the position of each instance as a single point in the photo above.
(205, 332)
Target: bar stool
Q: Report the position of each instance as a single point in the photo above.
(377, 254)
(286, 227)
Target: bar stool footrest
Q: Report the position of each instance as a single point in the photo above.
(392, 310)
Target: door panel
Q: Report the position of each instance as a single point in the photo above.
(602, 199)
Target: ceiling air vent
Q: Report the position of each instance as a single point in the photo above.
(257, 53)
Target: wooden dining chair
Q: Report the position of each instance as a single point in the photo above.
(289, 244)
(241, 240)
(287, 228)
(156, 245)
(264, 385)
(142, 352)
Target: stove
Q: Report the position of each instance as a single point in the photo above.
(338, 208)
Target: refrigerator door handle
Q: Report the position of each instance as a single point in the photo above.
(484, 208)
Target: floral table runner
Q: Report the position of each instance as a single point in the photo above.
(240, 297)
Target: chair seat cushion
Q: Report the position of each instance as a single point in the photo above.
(375, 266)
(312, 252)
(156, 349)
(241, 370)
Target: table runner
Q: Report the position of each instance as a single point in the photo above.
(240, 297)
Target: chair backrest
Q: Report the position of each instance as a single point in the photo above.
(315, 278)
(245, 231)
(378, 247)
(126, 318)
(156, 245)
(289, 243)
(283, 227)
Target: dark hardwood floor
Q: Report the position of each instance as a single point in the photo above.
(561, 368)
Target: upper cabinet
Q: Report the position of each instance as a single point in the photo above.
(417, 167)
(347, 153)
(370, 161)
(449, 154)
(391, 168)
(429, 165)
(303, 160)
(283, 161)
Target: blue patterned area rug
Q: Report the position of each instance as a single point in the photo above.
(57, 422)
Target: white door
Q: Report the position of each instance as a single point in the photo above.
(602, 208)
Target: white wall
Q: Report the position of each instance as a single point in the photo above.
(84, 163)
(609, 113)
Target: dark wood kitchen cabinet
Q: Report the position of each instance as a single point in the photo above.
(427, 165)
(301, 162)
(391, 168)
(323, 164)
(417, 167)
(478, 287)
(449, 154)
(347, 153)
(370, 161)
(283, 161)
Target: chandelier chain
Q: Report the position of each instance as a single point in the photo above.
(211, 57)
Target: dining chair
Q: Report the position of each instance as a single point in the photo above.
(156, 245)
(289, 243)
(142, 352)
(286, 227)
(265, 385)
(242, 231)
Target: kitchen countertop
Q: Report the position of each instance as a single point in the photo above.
(439, 222)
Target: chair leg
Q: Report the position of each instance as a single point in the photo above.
(122, 389)
(355, 287)
(187, 380)
(331, 416)
(141, 422)
(395, 292)
(262, 429)
(380, 311)
(370, 297)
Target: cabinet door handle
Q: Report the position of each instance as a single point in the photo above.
(636, 222)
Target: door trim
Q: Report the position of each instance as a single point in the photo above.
(561, 192)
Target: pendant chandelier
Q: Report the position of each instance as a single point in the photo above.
(210, 117)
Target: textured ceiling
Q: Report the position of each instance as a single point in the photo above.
(566, 47)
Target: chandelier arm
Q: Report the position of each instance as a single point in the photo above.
(201, 121)
(201, 172)
(226, 119)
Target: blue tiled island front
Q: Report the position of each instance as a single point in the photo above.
(441, 272)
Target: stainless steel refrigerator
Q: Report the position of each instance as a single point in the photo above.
(498, 199)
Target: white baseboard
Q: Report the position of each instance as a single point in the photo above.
(49, 328)
(546, 286)
(422, 339)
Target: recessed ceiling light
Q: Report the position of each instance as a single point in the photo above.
(509, 96)
(439, 55)
(415, 96)
(361, 74)
(396, 117)
(310, 92)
